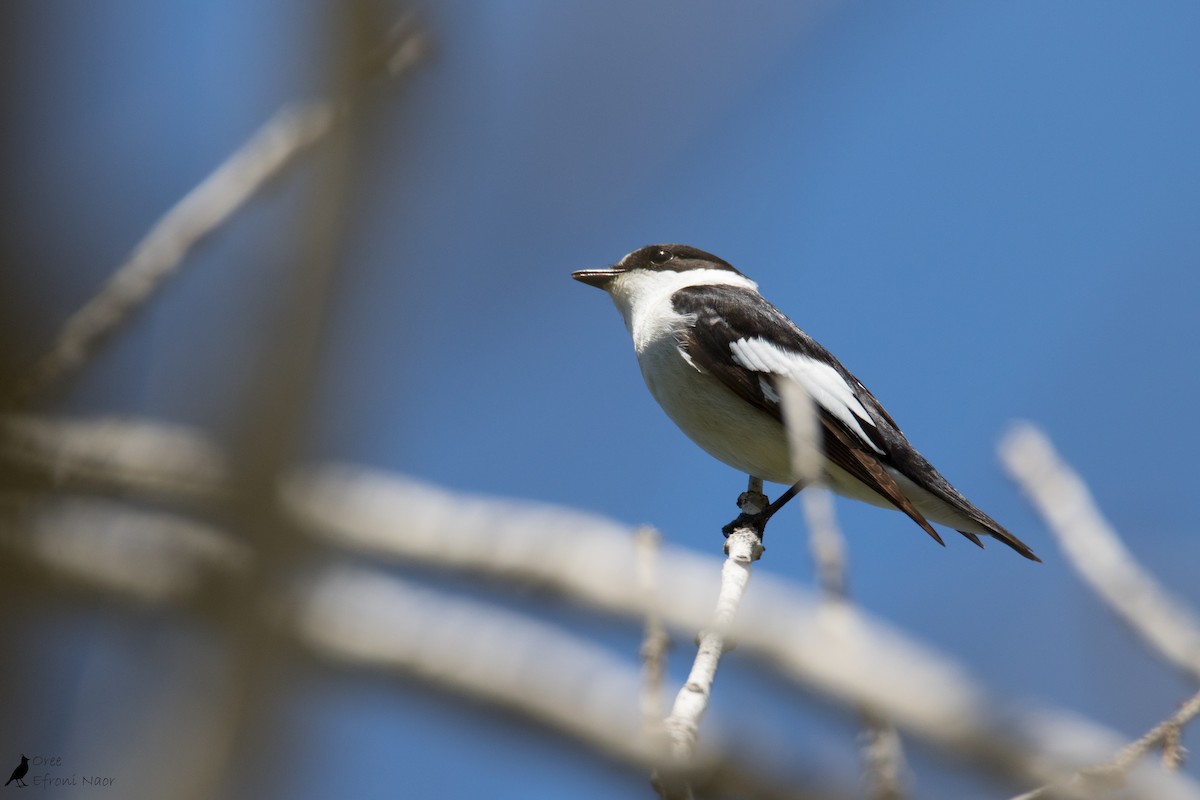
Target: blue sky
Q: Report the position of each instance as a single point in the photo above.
(987, 211)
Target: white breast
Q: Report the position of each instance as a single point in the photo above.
(712, 416)
(727, 427)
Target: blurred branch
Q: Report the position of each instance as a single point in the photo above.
(480, 650)
(1095, 551)
(270, 425)
(290, 132)
(655, 640)
(805, 445)
(883, 756)
(477, 650)
(201, 211)
(151, 557)
(853, 659)
(883, 759)
(1166, 735)
(859, 661)
(122, 455)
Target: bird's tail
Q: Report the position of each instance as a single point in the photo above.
(999, 532)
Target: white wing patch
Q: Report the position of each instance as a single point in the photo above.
(821, 381)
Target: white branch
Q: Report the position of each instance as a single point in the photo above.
(858, 661)
(885, 764)
(363, 617)
(1096, 552)
(481, 650)
(150, 556)
(806, 447)
(742, 547)
(1165, 735)
(692, 701)
(861, 662)
(655, 640)
(883, 755)
(128, 455)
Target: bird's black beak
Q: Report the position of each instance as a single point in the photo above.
(600, 278)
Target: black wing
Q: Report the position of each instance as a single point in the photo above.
(859, 436)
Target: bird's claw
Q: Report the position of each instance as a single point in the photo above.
(756, 510)
(755, 522)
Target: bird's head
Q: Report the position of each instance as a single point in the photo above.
(658, 270)
(654, 259)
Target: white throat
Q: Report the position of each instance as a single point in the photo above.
(644, 297)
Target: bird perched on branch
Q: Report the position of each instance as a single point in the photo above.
(713, 352)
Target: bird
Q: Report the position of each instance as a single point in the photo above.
(19, 772)
(713, 352)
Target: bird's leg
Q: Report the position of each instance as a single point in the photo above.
(756, 511)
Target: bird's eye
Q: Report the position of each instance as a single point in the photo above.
(661, 256)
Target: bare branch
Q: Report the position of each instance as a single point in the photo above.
(861, 662)
(743, 547)
(858, 660)
(883, 755)
(1095, 551)
(692, 701)
(655, 642)
(153, 557)
(826, 543)
(126, 455)
(1165, 735)
(289, 133)
(571, 684)
(365, 618)
(201, 211)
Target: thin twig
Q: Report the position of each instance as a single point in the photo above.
(883, 756)
(743, 547)
(1095, 550)
(1166, 735)
(654, 644)
(270, 424)
(290, 132)
(826, 542)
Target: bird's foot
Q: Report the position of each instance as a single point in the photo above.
(756, 511)
(755, 522)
